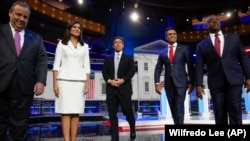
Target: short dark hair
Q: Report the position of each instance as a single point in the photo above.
(66, 37)
(118, 37)
(169, 28)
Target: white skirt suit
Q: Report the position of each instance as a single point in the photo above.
(72, 65)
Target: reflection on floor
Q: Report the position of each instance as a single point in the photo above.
(148, 128)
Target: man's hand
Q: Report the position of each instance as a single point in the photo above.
(190, 88)
(113, 82)
(116, 82)
(158, 88)
(38, 88)
(119, 81)
(247, 85)
(199, 92)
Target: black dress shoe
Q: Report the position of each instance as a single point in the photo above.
(132, 136)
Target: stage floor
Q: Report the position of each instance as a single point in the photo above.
(155, 122)
(148, 128)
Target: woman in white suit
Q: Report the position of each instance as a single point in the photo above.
(71, 73)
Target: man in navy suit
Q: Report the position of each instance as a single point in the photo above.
(118, 70)
(177, 79)
(23, 74)
(227, 69)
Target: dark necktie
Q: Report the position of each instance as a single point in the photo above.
(217, 44)
(17, 40)
(171, 54)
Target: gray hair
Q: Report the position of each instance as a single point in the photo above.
(19, 3)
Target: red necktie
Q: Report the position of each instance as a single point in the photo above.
(17, 40)
(217, 44)
(171, 54)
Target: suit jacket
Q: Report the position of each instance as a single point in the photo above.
(72, 63)
(31, 65)
(177, 69)
(233, 65)
(126, 71)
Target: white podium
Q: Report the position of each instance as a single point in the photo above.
(247, 101)
(203, 104)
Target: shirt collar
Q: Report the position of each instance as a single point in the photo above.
(213, 34)
(13, 30)
(118, 53)
(174, 45)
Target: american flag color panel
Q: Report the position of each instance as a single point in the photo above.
(91, 93)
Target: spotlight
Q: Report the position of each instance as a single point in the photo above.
(80, 1)
(134, 16)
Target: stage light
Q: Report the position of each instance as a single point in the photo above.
(248, 50)
(134, 16)
(136, 5)
(80, 1)
(228, 14)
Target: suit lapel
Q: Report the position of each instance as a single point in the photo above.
(9, 36)
(165, 54)
(178, 47)
(226, 43)
(73, 50)
(121, 59)
(210, 45)
(112, 64)
(27, 40)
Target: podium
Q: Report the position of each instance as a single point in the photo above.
(247, 101)
(203, 104)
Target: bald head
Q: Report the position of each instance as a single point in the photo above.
(213, 24)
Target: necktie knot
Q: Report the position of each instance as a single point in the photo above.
(118, 56)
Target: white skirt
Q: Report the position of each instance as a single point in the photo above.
(71, 98)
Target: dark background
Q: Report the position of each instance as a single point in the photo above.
(162, 13)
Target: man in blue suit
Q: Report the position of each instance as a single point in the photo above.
(23, 72)
(227, 69)
(177, 79)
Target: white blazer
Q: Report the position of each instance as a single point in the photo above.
(72, 63)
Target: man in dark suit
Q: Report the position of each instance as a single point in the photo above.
(118, 70)
(176, 78)
(227, 70)
(23, 73)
